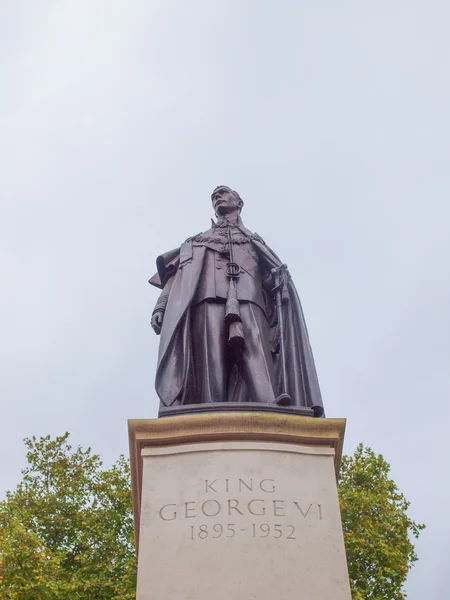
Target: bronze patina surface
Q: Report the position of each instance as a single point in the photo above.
(231, 324)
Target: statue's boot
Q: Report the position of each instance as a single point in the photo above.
(285, 400)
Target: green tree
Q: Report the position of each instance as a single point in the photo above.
(377, 528)
(66, 532)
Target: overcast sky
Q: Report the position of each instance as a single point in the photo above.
(330, 118)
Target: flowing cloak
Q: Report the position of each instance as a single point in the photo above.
(175, 372)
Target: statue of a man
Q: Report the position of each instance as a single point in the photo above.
(231, 323)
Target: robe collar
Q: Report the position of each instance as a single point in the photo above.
(224, 222)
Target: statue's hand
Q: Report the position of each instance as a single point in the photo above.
(157, 321)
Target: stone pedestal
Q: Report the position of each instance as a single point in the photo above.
(238, 506)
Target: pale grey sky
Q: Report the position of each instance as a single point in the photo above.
(118, 118)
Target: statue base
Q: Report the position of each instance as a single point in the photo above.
(238, 505)
(207, 407)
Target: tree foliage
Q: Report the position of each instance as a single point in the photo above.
(67, 530)
(377, 528)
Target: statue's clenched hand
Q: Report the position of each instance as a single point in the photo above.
(157, 321)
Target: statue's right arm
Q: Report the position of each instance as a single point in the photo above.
(160, 307)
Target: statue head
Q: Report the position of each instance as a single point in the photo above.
(225, 200)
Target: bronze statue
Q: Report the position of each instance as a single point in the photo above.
(232, 329)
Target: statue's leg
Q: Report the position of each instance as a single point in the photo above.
(209, 346)
(256, 364)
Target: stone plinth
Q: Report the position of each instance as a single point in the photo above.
(238, 506)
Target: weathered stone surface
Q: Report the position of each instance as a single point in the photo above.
(240, 519)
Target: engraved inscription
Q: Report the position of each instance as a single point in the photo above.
(234, 507)
(239, 485)
(256, 530)
(287, 514)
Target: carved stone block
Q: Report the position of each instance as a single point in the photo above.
(240, 506)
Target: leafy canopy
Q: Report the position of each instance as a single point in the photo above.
(67, 530)
(377, 529)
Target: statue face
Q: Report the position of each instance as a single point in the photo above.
(224, 201)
